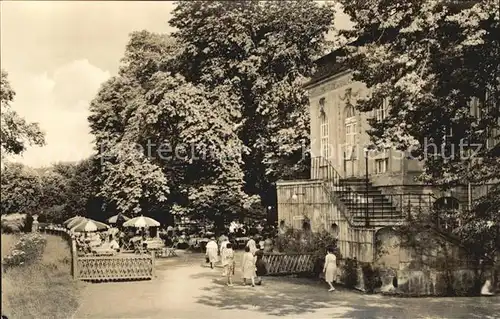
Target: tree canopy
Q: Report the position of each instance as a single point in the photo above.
(204, 122)
(432, 61)
(15, 132)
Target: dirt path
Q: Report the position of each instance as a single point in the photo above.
(184, 289)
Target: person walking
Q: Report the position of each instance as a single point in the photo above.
(330, 268)
(260, 265)
(229, 263)
(252, 245)
(223, 246)
(211, 252)
(248, 266)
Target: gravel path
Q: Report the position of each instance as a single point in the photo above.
(186, 289)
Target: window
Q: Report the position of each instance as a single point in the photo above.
(350, 112)
(381, 165)
(322, 106)
(350, 134)
(382, 112)
(324, 135)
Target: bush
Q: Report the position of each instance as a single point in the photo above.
(26, 251)
(350, 273)
(13, 223)
(44, 289)
(371, 277)
(298, 241)
(306, 242)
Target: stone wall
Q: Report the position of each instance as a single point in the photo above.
(431, 282)
(298, 200)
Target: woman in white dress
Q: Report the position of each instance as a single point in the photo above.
(252, 245)
(330, 268)
(223, 246)
(248, 266)
(212, 251)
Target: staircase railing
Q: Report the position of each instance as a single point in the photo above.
(367, 206)
(322, 168)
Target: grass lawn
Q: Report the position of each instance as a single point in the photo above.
(42, 290)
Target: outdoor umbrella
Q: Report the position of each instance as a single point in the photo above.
(69, 220)
(89, 225)
(117, 218)
(75, 222)
(141, 221)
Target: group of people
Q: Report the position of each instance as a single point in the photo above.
(86, 242)
(253, 265)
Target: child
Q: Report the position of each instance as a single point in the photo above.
(228, 261)
(330, 268)
(248, 266)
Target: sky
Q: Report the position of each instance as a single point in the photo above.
(58, 53)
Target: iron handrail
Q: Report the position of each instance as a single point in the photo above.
(366, 204)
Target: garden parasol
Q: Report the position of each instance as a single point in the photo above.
(89, 225)
(77, 220)
(141, 221)
(117, 219)
(69, 220)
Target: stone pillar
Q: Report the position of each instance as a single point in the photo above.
(34, 224)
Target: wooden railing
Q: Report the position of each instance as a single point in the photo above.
(283, 264)
(104, 268)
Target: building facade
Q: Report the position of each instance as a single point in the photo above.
(339, 131)
(352, 193)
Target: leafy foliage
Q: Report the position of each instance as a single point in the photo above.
(15, 132)
(261, 52)
(26, 251)
(350, 273)
(430, 60)
(371, 277)
(446, 249)
(297, 241)
(54, 193)
(205, 122)
(21, 189)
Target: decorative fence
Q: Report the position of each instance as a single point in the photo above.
(104, 268)
(284, 264)
(115, 268)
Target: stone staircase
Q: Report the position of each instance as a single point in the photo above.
(363, 203)
(366, 202)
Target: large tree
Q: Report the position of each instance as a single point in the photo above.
(259, 52)
(21, 189)
(430, 60)
(226, 106)
(160, 138)
(79, 192)
(15, 132)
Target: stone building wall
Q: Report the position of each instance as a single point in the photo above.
(300, 199)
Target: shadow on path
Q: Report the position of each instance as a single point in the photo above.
(301, 298)
(185, 288)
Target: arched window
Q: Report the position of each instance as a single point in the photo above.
(350, 112)
(351, 131)
(324, 130)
